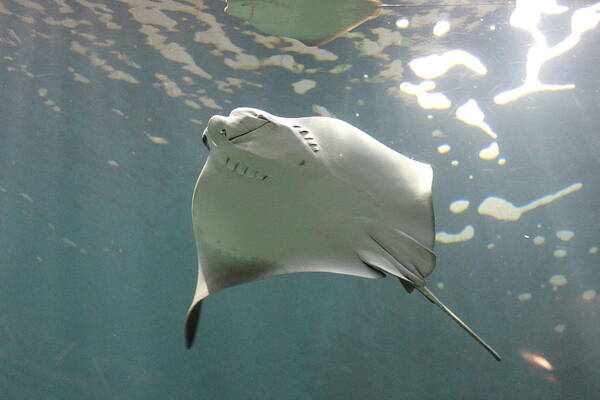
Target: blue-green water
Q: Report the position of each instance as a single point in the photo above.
(103, 105)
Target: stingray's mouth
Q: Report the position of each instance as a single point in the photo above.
(223, 132)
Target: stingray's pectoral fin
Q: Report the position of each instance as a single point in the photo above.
(191, 323)
(193, 314)
(431, 297)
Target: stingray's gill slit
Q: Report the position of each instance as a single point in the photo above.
(243, 170)
(310, 141)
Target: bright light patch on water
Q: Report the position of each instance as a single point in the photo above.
(433, 100)
(463, 236)
(322, 111)
(527, 16)
(454, 163)
(525, 297)
(471, 114)
(565, 235)
(340, 68)
(560, 328)
(436, 65)
(169, 86)
(285, 61)
(490, 152)
(157, 139)
(558, 280)
(119, 113)
(402, 23)
(560, 253)
(295, 46)
(589, 295)
(69, 243)
(441, 28)
(385, 38)
(539, 240)
(459, 206)
(443, 148)
(26, 197)
(426, 98)
(303, 86)
(411, 88)
(593, 250)
(501, 209)
(536, 359)
(502, 161)
(209, 102)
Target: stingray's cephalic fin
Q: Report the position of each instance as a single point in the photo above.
(431, 297)
(191, 323)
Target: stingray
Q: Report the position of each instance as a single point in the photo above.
(313, 22)
(285, 195)
(316, 22)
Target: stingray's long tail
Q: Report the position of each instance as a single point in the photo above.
(431, 297)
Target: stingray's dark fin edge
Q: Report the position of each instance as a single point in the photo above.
(409, 287)
(191, 323)
(327, 39)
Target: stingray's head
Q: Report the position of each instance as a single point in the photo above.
(256, 138)
(242, 125)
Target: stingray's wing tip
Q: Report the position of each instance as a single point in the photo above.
(191, 323)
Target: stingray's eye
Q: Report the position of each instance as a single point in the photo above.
(260, 116)
(223, 132)
(205, 140)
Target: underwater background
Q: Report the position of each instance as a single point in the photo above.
(102, 109)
